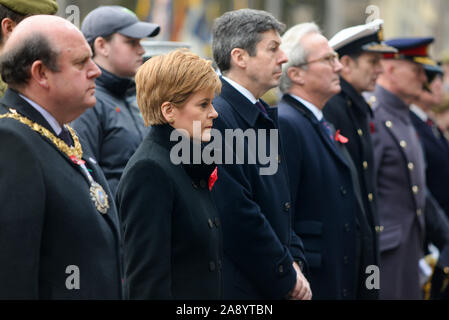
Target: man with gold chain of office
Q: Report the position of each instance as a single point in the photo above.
(57, 219)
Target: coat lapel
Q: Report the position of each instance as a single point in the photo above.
(331, 145)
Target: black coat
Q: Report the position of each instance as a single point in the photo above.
(171, 230)
(349, 113)
(324, 201)
(113, 129)
(259, 243)
(48, 221)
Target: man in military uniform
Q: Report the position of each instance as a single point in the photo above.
(406, 210)
(59, 235)
(360, 49)
(14, 11)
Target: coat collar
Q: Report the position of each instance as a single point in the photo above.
(116, 85)
(12, 100)
(358, 101)
(161, 135)
(332, 146)
(242, 106)
(392, 104)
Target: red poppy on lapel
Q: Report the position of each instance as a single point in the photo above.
(371, 126)
(213, 177)
(117, 109)
(77, 161)
(340, 138)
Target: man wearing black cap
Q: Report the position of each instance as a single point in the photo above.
(114, 128)
(360, 50)
(406, 210)
(14, 11)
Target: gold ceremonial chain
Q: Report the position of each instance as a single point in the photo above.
(76, 151)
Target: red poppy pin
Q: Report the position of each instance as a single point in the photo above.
(340, 138)
(371, 126)
(117, 109)
(213, 177)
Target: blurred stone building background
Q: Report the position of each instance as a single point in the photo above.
(191, 20)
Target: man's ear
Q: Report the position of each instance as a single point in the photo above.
(101, 47)
(239, 57)
(169, 111)
(39, 72)
(296, 75)
(7, 26)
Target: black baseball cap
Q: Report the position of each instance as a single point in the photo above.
(106, 20)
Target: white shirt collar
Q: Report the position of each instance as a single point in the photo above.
(248, 95)
(316, 112)
(47, 116)
(419, 112)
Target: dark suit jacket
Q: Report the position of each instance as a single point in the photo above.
(171, 230)
(436, 150)
(324, 201)
(48, 220)
(259, 245)
(349, 113)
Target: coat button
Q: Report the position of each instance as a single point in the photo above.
(281, 269)
(287, 206)
(370, 197)
(419, 212)
(365, 165)
(211, 266)
(203, 184)
(415, 189)
(411, 166)
(360, 132)
(403, 144)
(217, 222)
(343, 190)
(211, 224)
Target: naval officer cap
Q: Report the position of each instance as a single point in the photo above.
(28, 7)
(106, 20)
(362, 38)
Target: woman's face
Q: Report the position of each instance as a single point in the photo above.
(197, 115)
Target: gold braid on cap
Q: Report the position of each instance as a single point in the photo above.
(76, 151)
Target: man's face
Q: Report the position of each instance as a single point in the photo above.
(125, 55)
(265, 68)
(73, 86)
(321, 76)
(409, 78)
(364, 71)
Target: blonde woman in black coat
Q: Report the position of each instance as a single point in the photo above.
(171, 230)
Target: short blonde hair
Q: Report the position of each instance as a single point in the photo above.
(173, 77)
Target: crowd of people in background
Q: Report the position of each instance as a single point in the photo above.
(95, 207)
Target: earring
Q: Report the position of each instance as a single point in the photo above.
(171, 121)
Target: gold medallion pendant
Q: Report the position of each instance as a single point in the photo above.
(99, 197)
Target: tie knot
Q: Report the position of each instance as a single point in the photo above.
(65, 136)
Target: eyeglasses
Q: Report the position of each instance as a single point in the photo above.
(330, 58)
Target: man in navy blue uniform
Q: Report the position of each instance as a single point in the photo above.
(263, 257)
(321, 175)
(360, 49)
